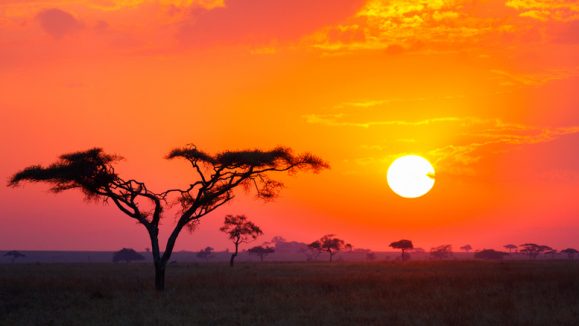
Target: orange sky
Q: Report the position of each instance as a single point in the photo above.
(486, 90)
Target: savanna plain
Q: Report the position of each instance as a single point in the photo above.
(339, 293)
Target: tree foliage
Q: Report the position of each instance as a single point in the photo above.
(211, 185)
(328, 243)
(205, 253)
(127, 255)
(466, 248)
(441, 252)
(510, 247)
(239, 230)
(261, 251)
(403, 245)
(533, 250)
(570, 252)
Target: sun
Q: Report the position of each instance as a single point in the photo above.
(411, 176)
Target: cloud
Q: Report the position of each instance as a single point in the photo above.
(58, 23)
(338, 119)
(444, 25)
(262, 21)
(547, 10)
(511, 79)
(473, 139)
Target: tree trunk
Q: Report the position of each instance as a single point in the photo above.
(160, 276)
(331, 256)
(234, 255)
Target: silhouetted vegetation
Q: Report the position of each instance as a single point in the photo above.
(403, 245)
(570, 252)
(328, 243)
(533, 250)
(441, 252)
(510, 247)
(490, 254)
(466, 248)
(210, 186)
(261, 251)
(239, 230)
(205, 253)
(14, 255)
(127, 255)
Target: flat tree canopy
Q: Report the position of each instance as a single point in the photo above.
(211, 185)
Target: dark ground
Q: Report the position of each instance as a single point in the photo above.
(380, 293)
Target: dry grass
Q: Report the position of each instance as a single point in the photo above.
(413, 293)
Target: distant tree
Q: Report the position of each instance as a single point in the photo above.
(210, 186)
(205, 253)
(278, 239)
(510, 247)
(570, 252)
(313, 250)
(348, 247)
(466, 248)
(239, 230)
(490, 254)
(127, 255)
(533, 250)
(551, 253)
(441, 252)
(403, 245)
(370, 256)
(261, 251)
(15, 255)
(328, 243)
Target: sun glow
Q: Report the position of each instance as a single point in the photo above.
(411, 176)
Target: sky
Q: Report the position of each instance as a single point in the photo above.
(485, 90)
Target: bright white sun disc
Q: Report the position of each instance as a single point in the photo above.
(411, 176)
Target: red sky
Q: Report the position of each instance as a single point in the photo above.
(486, 90)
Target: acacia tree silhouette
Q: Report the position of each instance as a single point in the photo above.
(261, 251)
(403, 245)
(212, 185)
(328, 243)
(239, 230)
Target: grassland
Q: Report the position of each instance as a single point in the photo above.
(381, 293)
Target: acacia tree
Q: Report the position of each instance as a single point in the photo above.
(466, 248)
(403, 245)
(210, 186)
(441, 252)
(239, 230)
(533, 250)
(510, 247)
(127, 255)
(330, 244)
(261, 251)
(313, 250)
(570, 252)
(205, 253)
